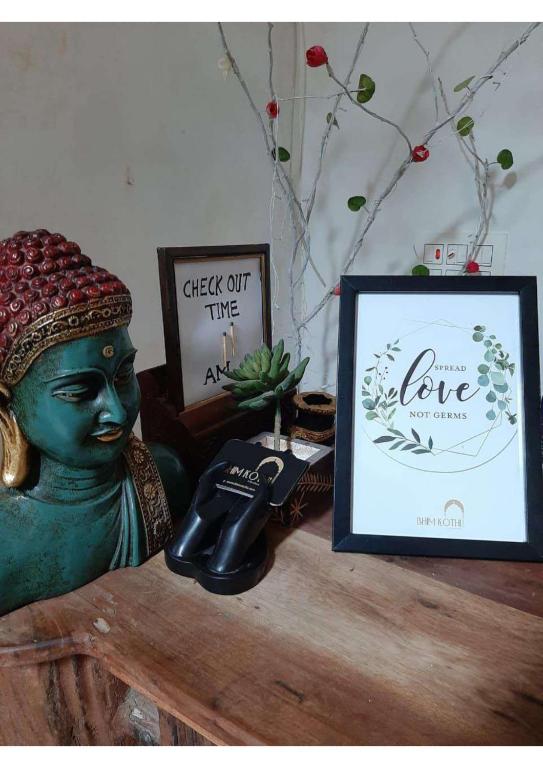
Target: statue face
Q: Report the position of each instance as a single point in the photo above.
(78, 401)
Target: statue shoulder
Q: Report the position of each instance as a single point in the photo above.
(174, 476)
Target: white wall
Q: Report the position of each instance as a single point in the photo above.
(86, 108)
(439, 193)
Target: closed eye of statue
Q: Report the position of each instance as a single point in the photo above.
(76, 392)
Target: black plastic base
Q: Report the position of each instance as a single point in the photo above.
(246, 577)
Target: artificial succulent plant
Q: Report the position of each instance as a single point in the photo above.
(264, 378)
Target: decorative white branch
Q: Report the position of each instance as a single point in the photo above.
(429, 67)
(369, 111)
(467, 99)
(300, 218)
(481, 182)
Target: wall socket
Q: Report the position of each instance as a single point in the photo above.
(447, 256)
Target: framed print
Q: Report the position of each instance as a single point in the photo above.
(215, 309)
(438, 428)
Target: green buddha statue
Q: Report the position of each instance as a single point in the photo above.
(80, 494)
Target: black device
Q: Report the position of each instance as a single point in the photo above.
(221, 541)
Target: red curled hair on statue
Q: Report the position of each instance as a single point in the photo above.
(50, 292)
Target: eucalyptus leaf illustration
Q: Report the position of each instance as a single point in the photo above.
(493, 371)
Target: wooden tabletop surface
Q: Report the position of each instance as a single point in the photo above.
(329, 648)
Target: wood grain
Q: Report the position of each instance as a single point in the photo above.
(517, 584)
(329, 649)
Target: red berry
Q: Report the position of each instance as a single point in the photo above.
(420, 153)
(5, 316)
(4, 341)
(316, 56)
(472, 267)
(12, 328)
(20, 287)
(38, 282)
(272, 108)
(337, 290)
(6, 297)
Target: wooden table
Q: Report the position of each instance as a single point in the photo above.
(329, 649)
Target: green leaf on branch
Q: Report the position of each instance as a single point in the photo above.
(505, 159)
(284, 154)
(356, 203)
(420, 270)
(463, 84)
(464, 125)
(366, 89)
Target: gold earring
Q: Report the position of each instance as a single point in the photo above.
(15, 448)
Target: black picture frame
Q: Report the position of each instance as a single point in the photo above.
(344, 540)
(167, 256)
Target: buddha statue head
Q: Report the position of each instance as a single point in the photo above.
(68, 391)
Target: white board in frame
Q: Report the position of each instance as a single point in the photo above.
(216, 309)
(438, 438)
